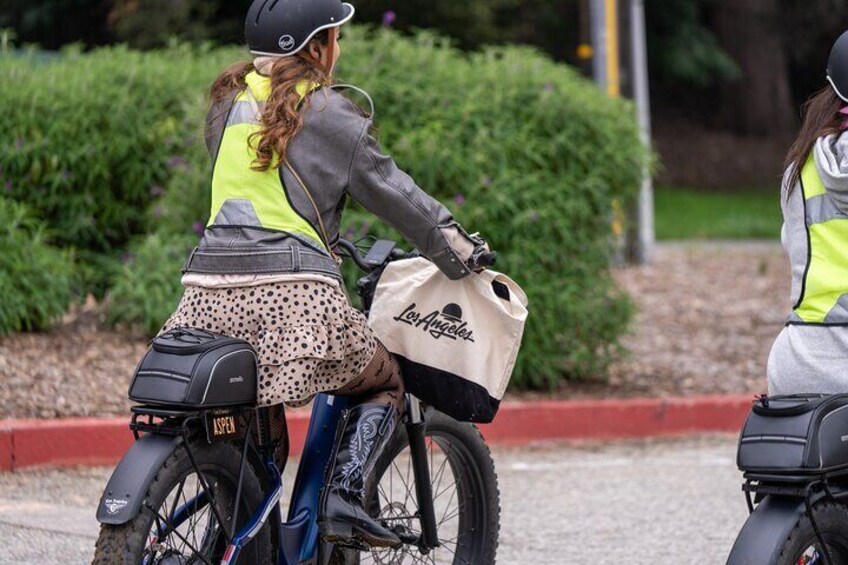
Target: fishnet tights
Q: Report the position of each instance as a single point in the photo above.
(379, 383)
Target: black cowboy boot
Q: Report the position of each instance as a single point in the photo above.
(364, 432)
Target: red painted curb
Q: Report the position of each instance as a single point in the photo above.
(70, 442)
(521, 423)
(6, 449)
(94, 441)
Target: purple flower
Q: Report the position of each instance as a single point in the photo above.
(19, 143)
(487, 181)
(389, 18)
(550, 87)
(155, 191)
(349, 233)
(198, 228)
(459, 199)
(126, 257)
(157, 212)
(176, 161)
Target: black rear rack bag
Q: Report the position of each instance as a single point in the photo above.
(189, 367)
(795, 434)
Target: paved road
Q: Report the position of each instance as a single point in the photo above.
(671, 501)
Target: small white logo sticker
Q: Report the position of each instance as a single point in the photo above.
(286, 43)
(114, 504)
(238, 379)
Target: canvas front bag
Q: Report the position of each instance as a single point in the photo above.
(456, 341)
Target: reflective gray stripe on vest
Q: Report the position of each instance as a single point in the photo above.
(243, 112)
(839, 313)
(237, 213)
(822, 208)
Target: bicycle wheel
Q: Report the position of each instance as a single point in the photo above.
(803, 548)
(178, 524)
(465, 496)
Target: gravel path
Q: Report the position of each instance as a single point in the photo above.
(708, 314)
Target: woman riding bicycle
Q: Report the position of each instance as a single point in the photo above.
(288, 148)
(811, 353)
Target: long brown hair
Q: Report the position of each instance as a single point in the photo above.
(820, 117)
(282, 116)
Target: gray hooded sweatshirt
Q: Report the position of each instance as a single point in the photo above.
(809, 358)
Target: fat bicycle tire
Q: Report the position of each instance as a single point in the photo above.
(802, 546)
(469, 460)
(125, 544)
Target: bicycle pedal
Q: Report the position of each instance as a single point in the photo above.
(350, 543)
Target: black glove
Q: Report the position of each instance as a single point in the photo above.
(481, 257)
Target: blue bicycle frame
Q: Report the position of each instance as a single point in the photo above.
(298, 536)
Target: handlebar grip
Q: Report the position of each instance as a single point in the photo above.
(487, 259)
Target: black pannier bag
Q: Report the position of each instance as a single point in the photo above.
(795, 434)
(189, 367)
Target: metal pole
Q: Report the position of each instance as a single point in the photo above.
(641, 96)
(597, 17)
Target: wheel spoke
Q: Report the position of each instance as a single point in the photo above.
(444, 490)
(447, 461)
(178, 534)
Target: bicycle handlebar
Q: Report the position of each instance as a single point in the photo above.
(354, 254)
(479, 260)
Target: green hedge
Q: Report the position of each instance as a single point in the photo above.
(522, 149)
(90, 140)
(36, 281)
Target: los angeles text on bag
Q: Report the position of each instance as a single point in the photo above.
(456, 341)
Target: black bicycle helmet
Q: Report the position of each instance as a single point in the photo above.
(837, 67)
(283, 27)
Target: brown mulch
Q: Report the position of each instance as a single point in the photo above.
(82, 368)
(707, 316)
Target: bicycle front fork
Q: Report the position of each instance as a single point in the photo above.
(415, 428)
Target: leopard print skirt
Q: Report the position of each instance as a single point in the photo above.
(308, 337)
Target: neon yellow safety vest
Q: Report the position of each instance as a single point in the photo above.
(825, 278)
(242, 196)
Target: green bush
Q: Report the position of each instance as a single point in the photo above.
(36, 281)
(521, 149)
(531, 155)
(90, 140)
(148, 288)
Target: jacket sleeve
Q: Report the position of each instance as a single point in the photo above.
(216, 121)
(376, 182)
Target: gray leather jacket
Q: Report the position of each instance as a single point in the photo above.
(335, 155)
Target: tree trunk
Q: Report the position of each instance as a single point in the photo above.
(759, 102)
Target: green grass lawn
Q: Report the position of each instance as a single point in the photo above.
(690, 214)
